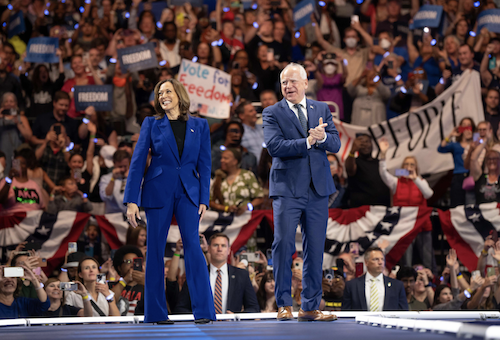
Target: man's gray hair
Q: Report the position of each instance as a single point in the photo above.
(302, 70)
(7, 94)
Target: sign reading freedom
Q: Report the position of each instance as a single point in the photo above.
(419, 133)
(209, 89)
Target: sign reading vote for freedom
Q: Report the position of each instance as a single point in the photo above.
(42, 50)
(489, 19)
(209, 89)
(427, 16)
(302, 13)
(98, 96)
(137, 58)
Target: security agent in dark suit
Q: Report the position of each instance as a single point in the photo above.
(236, 291)
(374, 291)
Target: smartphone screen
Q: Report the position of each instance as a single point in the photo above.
(13, 272)
(402, 173)
(138, 264)
(359, 269)
(494, 235)
(16, 164)
(77, 174)
(72, 247)
(270, 54)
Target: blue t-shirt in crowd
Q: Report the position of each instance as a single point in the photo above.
(400, 51)
(23, 308)
(457, 151)
(432, 69)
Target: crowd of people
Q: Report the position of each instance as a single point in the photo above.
(360, 58)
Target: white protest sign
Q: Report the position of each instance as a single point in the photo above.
(209, 89)
(419, 133)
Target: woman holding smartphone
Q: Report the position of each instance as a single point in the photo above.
(177, 181)
(409, 190)
(101, 297)
(12, 307)
(459, 148)
(56, 296)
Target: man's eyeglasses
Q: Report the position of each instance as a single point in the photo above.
(234, 130)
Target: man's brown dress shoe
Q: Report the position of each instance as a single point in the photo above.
(315, 315)
(285, 313)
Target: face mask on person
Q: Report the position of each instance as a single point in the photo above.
(119, 82)
(385, 44)
(351, 42)
(330, 69)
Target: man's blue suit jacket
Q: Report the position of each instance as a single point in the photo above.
(240, 294)
(355, 298)
(167, 168)
(293, 164)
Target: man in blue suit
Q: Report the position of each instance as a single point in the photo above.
(297, 133)
(374, 292)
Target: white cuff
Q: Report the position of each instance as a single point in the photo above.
(307, 143)
(323, 140)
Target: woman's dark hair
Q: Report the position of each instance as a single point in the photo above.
(37, 83)
(472, 124)
(234, 122)
(261, 293)
(29, 155)
(406, 272)
(221, 175)
(244, 79)
(80, 265)
(236, 153)
(120, 254)
(181, 92)
(141, 17)
(210, 53)
(263, 167)
(73, 155)
(133, 235)
(439, 289)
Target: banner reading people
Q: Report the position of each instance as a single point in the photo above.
(419, 133)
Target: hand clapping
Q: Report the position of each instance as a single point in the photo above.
(318, 133)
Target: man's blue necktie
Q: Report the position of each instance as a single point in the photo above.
(302, 118)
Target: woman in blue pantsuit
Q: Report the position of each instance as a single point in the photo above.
(176, 182)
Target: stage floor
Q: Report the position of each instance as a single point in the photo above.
(272, 330)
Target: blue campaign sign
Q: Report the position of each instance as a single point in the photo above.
(302, 13)
(427, 16)
(489, 19)
(98, 96)
(42, 50)
(194, 3)
(137, 58)
(16, 24)
(156, 7)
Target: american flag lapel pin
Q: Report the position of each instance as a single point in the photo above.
(311, 106)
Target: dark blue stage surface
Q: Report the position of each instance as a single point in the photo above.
(272, 330)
